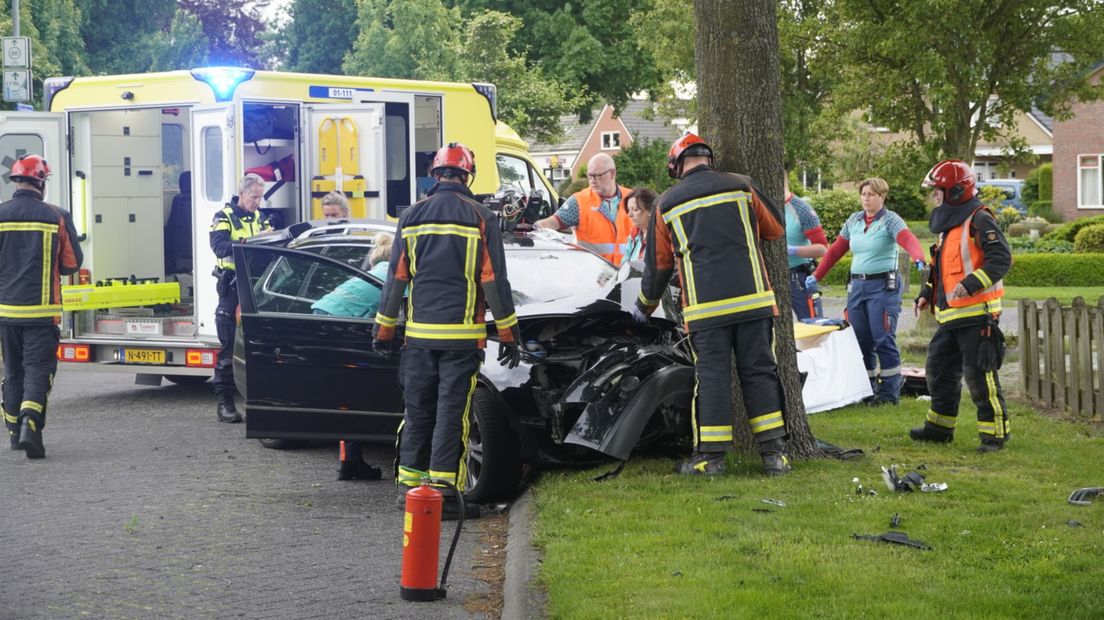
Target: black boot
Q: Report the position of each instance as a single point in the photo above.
(450, 510)
(14, 440)
(30, 439)
(702, 464)
(227, 412)
(923, 433)
(988, 447)
(775, 462)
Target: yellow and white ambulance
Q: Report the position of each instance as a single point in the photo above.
(143, 162)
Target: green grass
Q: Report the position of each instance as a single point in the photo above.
(1065, 294)
(650, 544)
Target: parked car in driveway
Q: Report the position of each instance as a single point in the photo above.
(592, 384)
(1012, 190)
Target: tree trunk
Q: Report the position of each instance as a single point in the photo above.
(740, 115)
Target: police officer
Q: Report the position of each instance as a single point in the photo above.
(236, 222)
(38, 245)
(728, 304)
(448, 251)
(964, 292)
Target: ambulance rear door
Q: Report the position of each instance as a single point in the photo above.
(38, 133)
(214, 143)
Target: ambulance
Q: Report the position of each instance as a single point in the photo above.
(143, 162)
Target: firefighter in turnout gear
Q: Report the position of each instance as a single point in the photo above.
(38, 245)
(964, 292)
(710, 224)
(448, 251)
(236, 222)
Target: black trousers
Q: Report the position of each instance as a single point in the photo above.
(30, 361)
(952, 355)
(758, 375)
(433, 436)
(225, 328)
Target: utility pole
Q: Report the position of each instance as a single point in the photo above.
(15, 18)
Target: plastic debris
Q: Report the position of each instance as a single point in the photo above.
(934, 487)
(896, 482)
(895, 522)
(1084, 497)
(894, 538)
(1074, 523)
(774, 502)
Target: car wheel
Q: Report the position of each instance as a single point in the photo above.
(187, 379)
(494, 459)
(283, 444)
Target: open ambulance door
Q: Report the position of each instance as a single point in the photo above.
(364, 150)
(38, 133)
(213, 184)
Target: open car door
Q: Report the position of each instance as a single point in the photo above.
(306, 375)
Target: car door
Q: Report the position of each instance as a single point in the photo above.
(310, 376)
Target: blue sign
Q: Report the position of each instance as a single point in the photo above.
(335, 92)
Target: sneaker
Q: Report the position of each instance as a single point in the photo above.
(923, 434)
(988, 447)
(702, 464)
(776, 464)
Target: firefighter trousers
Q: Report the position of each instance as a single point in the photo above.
(225, 327)
(758, 375)
(30, 361)
(433, 437)
(952, 356)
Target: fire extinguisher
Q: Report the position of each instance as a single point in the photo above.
(422, 541)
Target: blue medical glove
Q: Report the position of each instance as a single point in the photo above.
(921, 265)
(791, 250)
(810, 281)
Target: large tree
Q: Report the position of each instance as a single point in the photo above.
(412, 39)
(951, 73)
(118, 34)
(185, 45)
(233, 29)
(740, 114)
(320, 34)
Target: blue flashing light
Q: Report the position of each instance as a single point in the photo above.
(223, 80)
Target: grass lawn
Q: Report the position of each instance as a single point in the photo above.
(650, 544)
(1065, 294)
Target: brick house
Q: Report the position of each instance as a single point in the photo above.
(1078, 150)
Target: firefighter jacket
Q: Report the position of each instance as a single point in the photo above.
(231, 224)
(710, 223)
(448, 249)
(972, 251)
(596, 231)
(38, 245)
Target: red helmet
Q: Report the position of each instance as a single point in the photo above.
(30, 168)
(688, 144)
(956, 179)
(454, 156)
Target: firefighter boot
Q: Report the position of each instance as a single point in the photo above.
(450, 510)
(30, 438)
(775, 462)
(14, 440)
(227, 412)
(702, 464)
(988, 447)
(924, 433)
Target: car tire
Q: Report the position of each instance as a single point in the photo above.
(494, 459)
(187, 379)
(283, 444)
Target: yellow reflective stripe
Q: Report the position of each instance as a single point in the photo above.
(222, 225)
(766, 422)
(994, 403)
(409, 477)
(412, 249)
(30, 404)
(647, 302)
(465, 429)
(716, 433)
(939, 419)
(385, 321)
(448, 476)
(753, 248)
(470, 279)
(11, 419)
(28, 226)
(47, 261)
(993, 306)
(694, 400)
(706, 201)
(470, 232)
(983, 277)
(731, 305)
(687, 264)
(32, 424)
(445, 331)
(30, 312)
(507, 322)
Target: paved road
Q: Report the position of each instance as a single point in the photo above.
(146, 507)
(1010, 316)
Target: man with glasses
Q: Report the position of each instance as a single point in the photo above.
(600, 224)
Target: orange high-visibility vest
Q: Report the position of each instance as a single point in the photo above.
(596, 231)
(957, 246)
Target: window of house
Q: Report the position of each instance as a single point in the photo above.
(1088, 181)
(611, 139)
(985, 170)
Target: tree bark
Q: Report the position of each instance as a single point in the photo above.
(740, 116)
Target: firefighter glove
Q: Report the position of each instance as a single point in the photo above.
(509, 354)
(383, 348)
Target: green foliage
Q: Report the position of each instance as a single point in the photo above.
(118, 34)
(56, 46)
(1090, 239)
(1039, 184)
(1007, 216)
(186, 45)
(1055, 270)
(234, 30)
(1026, 245)
(1045, 210)
(644, 163)
(320, 34)
(1069, 230)
(834, 206)
(861, 154)
(412, 39)
(569, 186)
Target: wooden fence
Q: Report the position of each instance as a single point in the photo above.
(1061, 350)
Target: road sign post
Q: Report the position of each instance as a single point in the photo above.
(17, 85)
(17, 69)
(17, 52)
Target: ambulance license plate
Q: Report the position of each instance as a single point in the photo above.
(144, 356)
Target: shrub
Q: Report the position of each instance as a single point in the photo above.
(1017, 230)
(840, 273)
(1089, 239)
(1045, 210)
(1051, 228)
(1038, 184)
(1007, 216)
(570, 186)
(834, 206)
(644, 163)
(1025, 245)
(1055, 270)
(1069, 230)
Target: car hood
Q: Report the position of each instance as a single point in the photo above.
(620, 293)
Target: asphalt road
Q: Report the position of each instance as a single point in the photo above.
(147, 507)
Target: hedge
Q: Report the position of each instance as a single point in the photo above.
(1068, 231)
(1027, 270)
(1089, 239)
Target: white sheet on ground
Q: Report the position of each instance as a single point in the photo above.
(833, 360)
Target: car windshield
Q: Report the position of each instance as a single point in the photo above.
(538, 276)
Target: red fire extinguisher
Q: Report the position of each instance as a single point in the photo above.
(422, 542)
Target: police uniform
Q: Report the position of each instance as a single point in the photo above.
(38, 244)
(972, 251)
(448, 251)
(231, 225)
(710, 223)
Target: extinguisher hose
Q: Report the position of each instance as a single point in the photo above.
(443, 589)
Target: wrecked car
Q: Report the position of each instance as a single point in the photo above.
(592, 384)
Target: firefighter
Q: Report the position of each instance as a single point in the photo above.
(237, 221)
(964, 291)
(728, 304)
(448, 250)
(38, 245)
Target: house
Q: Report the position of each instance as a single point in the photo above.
(1037, 130)
(1078, 150)
(606, 132)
